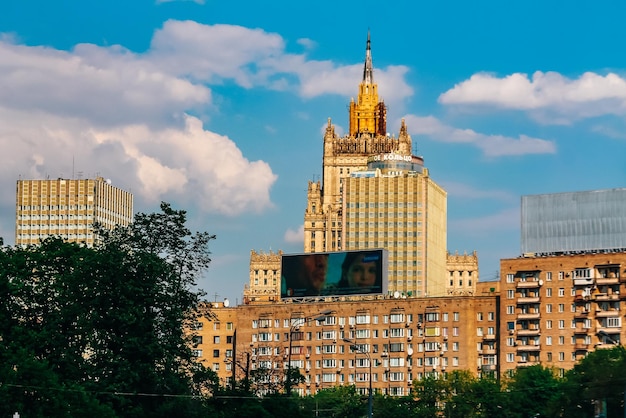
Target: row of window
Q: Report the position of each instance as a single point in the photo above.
(382, 205)
(612, 271)
(55, 207)
(393, 318)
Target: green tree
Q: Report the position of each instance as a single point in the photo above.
(536, 383)
(338, 401)
(101, 329)
(598, 378)
(430, 395)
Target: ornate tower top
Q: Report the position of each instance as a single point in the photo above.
(368, 115)
(368, 68)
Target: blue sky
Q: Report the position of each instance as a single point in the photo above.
(218, 107)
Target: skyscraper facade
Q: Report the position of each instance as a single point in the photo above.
(375, 194)
(69, 209)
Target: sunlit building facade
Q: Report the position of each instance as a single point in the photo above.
(68, 208)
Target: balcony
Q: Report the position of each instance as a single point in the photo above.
(607, 280)
(489, 351)
(488, 367)
(528, 332)
(581, 347)
(607, 314)
(527, 299)
(489, 337)
(604, 297)
(529, 347)
(527, 363)
(611, 330)
(581, 298)
(527, 315)
(581, 314)
(582, 330)
(527, 285)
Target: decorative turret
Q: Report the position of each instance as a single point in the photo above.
(367, 114)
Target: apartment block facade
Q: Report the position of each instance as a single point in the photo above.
(556, 309)
(68, 208)
(402, 339)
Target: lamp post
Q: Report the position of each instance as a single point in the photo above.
(295, 323)
(358, 349)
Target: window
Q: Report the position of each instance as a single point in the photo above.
(548, 307)
(510, 341)
(396, 332)
(561, 292)
(548, 276)
(561, 307)
(549, 324)
(396, 347)
(479, 316)
(395, 318)
(613, 322)
(491, 316)
(510, 278)
(363, 319)
(360, 333)
(548, 340)
(561, 324)
(216, 353)
(216, 339)
(510, 357)
(510, 309)
(396, 362)
(549, 292)
(432, 316)
(455, 316)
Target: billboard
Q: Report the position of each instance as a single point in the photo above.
(342, 273)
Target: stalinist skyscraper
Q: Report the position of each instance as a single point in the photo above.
(375, 194)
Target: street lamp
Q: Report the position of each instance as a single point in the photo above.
(358, 349)
(295, 323)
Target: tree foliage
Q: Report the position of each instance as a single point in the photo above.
(100, 331)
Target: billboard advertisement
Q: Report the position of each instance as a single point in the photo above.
(342, 273)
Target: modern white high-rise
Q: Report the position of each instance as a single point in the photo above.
(68, 209)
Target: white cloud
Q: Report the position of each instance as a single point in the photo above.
(491, 145)
(103, 85)
(550, 97)
(307, 43)
(253, 57)
(293, 236)
(113, 112)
